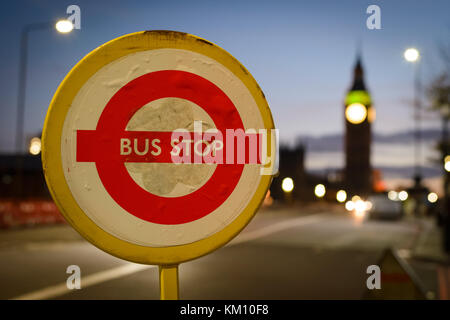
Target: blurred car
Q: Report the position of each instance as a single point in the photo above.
(384, 208)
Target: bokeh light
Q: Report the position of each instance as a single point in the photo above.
(349, 205)
(35, 146)
(287, 184)
(341, 196)
(320, 190)
(393, 195)
(403, 195)
(432, 197)
(360, 206)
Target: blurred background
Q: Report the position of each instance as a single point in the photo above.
(364, 156)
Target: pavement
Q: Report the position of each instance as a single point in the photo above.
(430, 261)
(292, 252)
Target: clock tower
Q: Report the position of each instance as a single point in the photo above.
(359, 115)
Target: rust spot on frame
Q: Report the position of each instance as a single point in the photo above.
(243, 69)
(205, 41)
(167, 33)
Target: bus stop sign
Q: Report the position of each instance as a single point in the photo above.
(158, 147)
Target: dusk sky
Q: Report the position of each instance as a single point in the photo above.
(300, 52)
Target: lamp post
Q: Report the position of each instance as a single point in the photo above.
(412, 55)
(445, 113)
(62, 26)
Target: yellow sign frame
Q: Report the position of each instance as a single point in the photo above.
(51, 147)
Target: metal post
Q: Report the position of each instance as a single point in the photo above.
(23, 79)
(417, 122)
(21, 89)
(20, 108)
(446, 185)
(168, 282)
(21, 99)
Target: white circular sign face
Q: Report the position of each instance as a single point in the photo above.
(161, 146)
(165, 180)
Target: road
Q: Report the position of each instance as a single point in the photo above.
(284, 253)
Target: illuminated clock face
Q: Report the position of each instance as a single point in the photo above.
(356, 113)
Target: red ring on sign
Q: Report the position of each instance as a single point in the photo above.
(111, 168)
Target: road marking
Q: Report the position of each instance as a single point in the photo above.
(277, 227)
(87, 281)
(341, 241)
(130, 268)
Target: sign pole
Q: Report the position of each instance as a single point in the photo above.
(168, 282)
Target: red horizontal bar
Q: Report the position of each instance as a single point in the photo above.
(93, 146)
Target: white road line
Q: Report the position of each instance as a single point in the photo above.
(130, 268)
(277, 227)
(341, 241)
(87, 281)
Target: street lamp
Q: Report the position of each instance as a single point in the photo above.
(413, 55)
(62, 27)
(447, 163)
